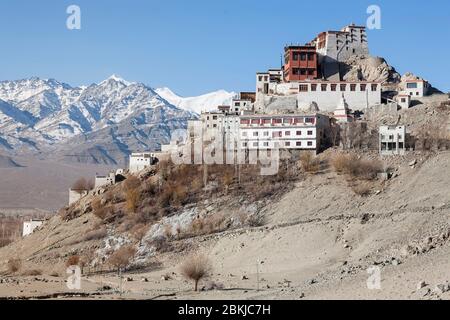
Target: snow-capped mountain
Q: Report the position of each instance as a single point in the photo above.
(206, 102)
(101, 122)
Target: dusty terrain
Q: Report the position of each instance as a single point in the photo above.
(41, 184)
(318, 242)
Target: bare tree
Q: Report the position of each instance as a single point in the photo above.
(82, 184)
(195, 268)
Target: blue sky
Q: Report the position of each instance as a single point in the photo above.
(197, 46)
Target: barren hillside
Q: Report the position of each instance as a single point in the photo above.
(316, 240)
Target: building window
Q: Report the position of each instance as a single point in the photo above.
(323, 87)
(363, 87)
(237, 104)
(298, 143)
(303, 56)
(255, 144)
(310, 133)
(313, 87)
(343, 87)
(310, 143)
(265, 144)
(310, 72)
(303, 72)
(255, 134)
(403, 100)
(299, 133)
(309, 120)
(311, 56)
(374, 87)
(411, 85)
(295, 56)
(276, 134)
(333, 87)
(353, 87)
(266, 133)
(287, 133)
(277, 121)
(417, 93)
(303, 88)
(244, 144)
(287, 144)
(214, 125)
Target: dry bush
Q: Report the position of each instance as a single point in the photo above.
(168, 231)
(122, 257)
(82, 184)
(362, 189)
(131, 183)
(161, 244)
(95, 235)
(133, 197)
(355, 167)
(195, 268)
(310, 164)
(180, 195)
(255, 220)
(14, 265)
(73, 261)
(32, 273)
(139, 231)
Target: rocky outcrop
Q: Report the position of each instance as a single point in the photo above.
(368, 68)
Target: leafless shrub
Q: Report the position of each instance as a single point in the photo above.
(362, 189)
(32, 273)
(256, 220)
(82, 184)
(195, 268)
(355, 167)
(309, 163)
(122, 257)
(161, 244)
(132, 197)
(14, 265)
(131, 183)
(73, 261)
(95, 235)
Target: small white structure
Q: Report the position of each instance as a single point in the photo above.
(417, 88)
(342, 112)
(76, 195)
(392, 140)
(404, 100)
(140, 161)
(108, 180)
(30, 226)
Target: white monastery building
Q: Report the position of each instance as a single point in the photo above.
(299, 132)
(30, 226)
(140, 161)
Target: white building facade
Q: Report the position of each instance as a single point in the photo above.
(107, 180)
(292, 132)
(417, 88)
(30, 226)
(392, 140)
(140, 161)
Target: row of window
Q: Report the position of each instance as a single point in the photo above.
(277, 134)
(307, 120)
(334, 86)
(303, 71)
(286, 144)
